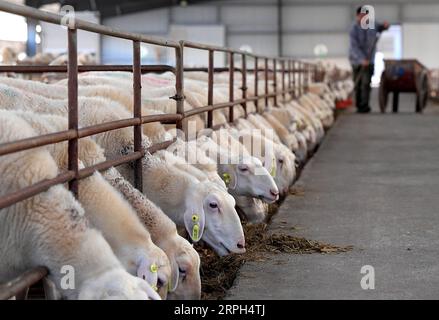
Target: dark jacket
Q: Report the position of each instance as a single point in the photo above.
(362, 43)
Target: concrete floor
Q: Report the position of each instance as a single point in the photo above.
(373, 184)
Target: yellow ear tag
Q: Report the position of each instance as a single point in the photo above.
(195, 232)
(273, 168)
(226, 178)
(153, 268)
(195, 218)
(155, 288)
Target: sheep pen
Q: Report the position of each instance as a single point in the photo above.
(129, 115)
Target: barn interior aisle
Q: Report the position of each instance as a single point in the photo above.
(372, 185)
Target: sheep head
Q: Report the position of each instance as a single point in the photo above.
(116, 284)
(223, 230)
(249, 178)
(185, 262)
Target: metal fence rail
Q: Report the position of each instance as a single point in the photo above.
(296, 76)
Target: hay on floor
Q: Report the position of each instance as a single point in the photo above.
(218, 273)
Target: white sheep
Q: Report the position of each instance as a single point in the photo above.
(185, 262)
(106, 208)
(155, 131)
(50, 229)
(194, 204)
(278, 156)
(244, 175)
(187, 257)
(286, 137)
(119, 142)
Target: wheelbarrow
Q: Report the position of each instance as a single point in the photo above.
(406, 75)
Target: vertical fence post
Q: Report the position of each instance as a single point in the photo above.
(290, 87)
(72, 71)
(295, 80)
(300, 77)
(266, 80)
(210, 88)
(283, 82)
(306, 86)
(179, 83)
(314, 73)
(275, 86)
(244, 83)
(231, 84)
(137, 113)
(256, 74)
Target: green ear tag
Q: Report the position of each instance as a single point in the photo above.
(195, 232)
(153, 268)
(226, 178)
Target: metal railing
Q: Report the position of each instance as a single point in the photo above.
(295, 78)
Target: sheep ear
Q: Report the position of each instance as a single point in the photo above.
(173, 283)
(147, 271)
(194, 222)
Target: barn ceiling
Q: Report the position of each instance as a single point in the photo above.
(109, 8)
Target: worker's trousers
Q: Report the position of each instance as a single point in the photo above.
(362, 89)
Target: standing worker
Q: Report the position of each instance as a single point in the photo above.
(363, 38)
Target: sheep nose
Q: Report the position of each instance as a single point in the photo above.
(274, 193)
(241, 244)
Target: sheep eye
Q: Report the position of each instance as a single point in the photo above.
(213, 205)
(243, 169)
(182, 272)
(281, 161)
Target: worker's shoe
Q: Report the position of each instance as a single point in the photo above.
(367, 110)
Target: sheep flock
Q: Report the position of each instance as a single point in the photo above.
(125, 244)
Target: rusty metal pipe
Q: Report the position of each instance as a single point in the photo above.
(256, 73)
(210, 88)
(84, 68)
(199, 110)
(34, 142)
(244, 83)
(179, 83)
(231, 84)
(284, 97)
(30, 191)
(137, 113)
(22, 282)
(72, 84)
(266, 81)
(82, 25)
(275, 87)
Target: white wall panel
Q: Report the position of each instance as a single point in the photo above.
(303, 45)
(149, 22)
(261, 44)
(209, 34)
(387, 12)
(315, 18)
(194, 15)
(421, 12)
(54, 36)
(418, 47)
(240, 18)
